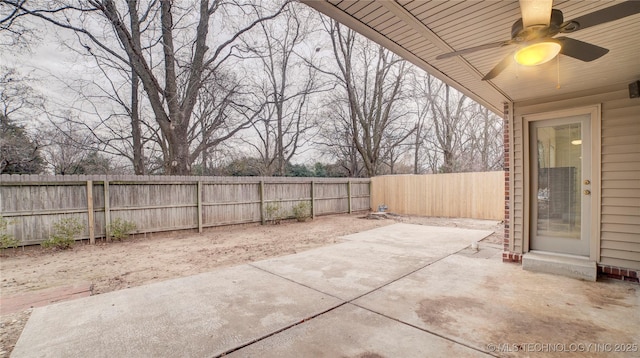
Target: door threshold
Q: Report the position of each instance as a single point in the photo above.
(579, 267)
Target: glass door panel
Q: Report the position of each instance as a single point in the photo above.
(559, 177)
(560, 172)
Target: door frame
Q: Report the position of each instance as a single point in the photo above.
(596, 119)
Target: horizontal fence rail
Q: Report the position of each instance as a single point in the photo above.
(462, 195)
(33, 203)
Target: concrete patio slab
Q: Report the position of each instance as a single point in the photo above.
(412, 234)
(371, 259)
(197, 316)
(350, 331)
(401, 291)
(501, 308)
(421, 240)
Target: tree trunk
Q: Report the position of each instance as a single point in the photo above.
(136, 132)
(416, 149)
(172, 81)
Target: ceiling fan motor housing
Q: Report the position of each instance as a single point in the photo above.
(536, 44)
(518, 33)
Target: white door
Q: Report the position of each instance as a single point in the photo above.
(560, 152)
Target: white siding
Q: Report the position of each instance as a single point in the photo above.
(620, 173)
(620, 233)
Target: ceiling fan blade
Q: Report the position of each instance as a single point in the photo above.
(611, 13)
(501, 66)
(581, 50)
(536, 12)
(474, 49)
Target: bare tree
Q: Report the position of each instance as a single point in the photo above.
(336, 137)
(13, 34)
(447, 130)
(122, 121)
(455, 133)
(485, 132)
(372, 78)
(19, 150)
(19, 153)
(421, 104)
(449, 122)
(172, 59)
(223, 110)
(287, 85)
(67, 145)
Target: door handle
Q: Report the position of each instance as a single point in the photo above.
(587, 182)
(587, 192)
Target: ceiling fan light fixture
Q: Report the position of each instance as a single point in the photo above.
(537, 53)
(536, 12)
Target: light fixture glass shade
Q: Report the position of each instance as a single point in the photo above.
(536, 12)
(537, 53)
(576, 141)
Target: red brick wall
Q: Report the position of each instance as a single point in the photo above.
(506, 255)
(619, 273)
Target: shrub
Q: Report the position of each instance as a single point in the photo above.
(273, 213)
(7, 240)
(120, 229)
(64, 234)
(302, 211)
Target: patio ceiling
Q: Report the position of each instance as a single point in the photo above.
(420, 30)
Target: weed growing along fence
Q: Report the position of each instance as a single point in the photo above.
(33, 203)
(461, 195)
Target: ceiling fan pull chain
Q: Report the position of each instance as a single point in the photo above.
(558, 62)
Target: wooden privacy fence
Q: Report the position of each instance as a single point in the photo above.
(34, 203)
(465, 195)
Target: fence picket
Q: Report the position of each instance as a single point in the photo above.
(464, 195)
(34, 203)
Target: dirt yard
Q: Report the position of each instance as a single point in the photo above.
(144, 259)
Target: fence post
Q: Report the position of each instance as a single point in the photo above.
(371, 195)
(349, 194)
(199, 200)
(261, 189)
(313, 206)
(107, 211)
(92, 234)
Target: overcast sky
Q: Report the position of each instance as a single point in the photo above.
(54, 67)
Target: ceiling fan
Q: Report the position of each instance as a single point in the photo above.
(534, 35)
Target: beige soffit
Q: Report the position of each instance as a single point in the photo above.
(420, 30)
